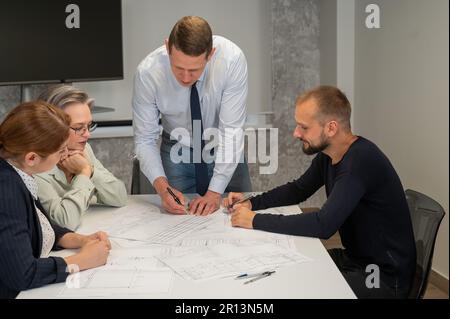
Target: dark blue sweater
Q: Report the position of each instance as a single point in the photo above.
(21, 267)
(365, 203)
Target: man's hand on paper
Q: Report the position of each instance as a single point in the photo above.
(168, 202)
(206, 204)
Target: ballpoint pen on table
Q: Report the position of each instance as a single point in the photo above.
(245, 276)
(263, 275)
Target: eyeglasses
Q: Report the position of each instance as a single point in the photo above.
(82, 129)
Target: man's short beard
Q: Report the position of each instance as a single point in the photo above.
(311, 150)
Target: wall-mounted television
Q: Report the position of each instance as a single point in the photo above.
(45, 41)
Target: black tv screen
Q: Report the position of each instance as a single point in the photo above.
(43, 41)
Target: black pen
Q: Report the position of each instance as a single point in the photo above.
(247, 197)
(175, 197)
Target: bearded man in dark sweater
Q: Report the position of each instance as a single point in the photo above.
(365, 199)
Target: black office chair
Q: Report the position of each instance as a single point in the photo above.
(426, 216)
(139, 183)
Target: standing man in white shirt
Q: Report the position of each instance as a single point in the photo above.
(195, 82)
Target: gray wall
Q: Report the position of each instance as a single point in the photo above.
(9, 97)
(402, 99)
(328, 42)
(295, 68)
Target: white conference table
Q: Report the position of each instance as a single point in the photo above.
(317, 279)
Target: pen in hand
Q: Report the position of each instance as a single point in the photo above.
(175, 197)
(245, 198)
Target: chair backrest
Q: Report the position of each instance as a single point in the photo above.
(426, 216)
(139, 182)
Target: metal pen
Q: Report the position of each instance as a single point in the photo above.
(247, 197)
(264, 275)
(245, 276)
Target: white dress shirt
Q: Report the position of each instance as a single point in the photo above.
(48, 234)
(222, 89)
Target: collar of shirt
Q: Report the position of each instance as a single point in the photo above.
(202, 77)
(28, 180)
(58, 174)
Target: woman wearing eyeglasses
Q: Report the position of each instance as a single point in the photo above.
(33, 138)
(79, 179)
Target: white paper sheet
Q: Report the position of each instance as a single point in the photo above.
(140, 223)
(222, 260)
(127, 273)
(118, 283)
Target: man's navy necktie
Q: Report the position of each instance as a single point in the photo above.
(201, 169)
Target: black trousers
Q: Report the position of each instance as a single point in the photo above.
(355, 274)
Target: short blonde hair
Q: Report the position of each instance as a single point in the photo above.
(62, 95)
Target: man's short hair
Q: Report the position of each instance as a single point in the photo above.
(332, 103)
(191, 35)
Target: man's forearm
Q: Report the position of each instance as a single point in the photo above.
(150, 162)
(160, 184)
(283, 195)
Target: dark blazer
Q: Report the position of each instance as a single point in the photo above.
(21, 267)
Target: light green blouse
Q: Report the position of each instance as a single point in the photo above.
(66, 202)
